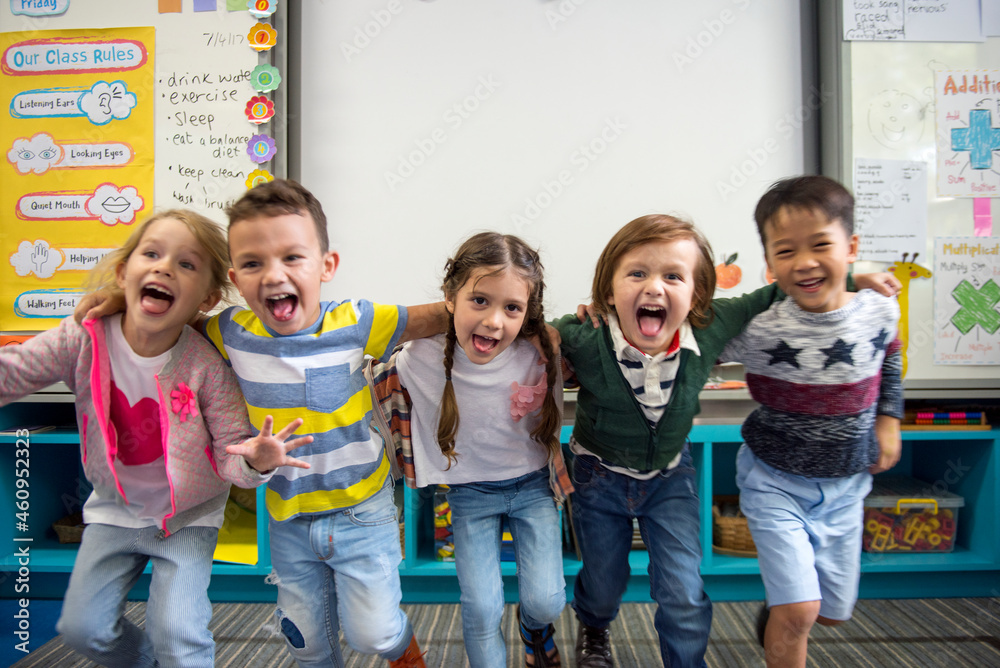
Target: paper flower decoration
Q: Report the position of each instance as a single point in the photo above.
(526, 398)
(261, 9)
(259, 109)
(183, 402)
(262, 37)
(257, 177)
(261, 148)
(265, 77)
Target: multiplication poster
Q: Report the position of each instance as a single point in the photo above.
(966, 295)
(77, 171)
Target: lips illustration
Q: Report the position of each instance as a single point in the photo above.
(116, 204)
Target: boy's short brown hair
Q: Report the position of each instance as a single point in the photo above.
(280, 197)
(810, 193)
(650, 229)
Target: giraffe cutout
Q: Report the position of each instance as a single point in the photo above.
(905, 272)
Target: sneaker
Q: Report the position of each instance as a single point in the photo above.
(762, 616)
(412, 658)
(540, 649)
(593, 647)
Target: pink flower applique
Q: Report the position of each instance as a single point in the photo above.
(183, 401)
(526, 398)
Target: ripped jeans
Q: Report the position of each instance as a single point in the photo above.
(341, 570)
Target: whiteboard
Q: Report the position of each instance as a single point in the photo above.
(899, 76)
(420, 123)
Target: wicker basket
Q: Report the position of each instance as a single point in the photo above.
(731, 534)
(69, 529)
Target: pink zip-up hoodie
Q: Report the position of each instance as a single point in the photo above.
(201, 412)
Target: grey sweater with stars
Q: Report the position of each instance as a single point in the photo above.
(821, 379)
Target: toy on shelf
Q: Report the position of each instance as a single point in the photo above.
(906, 515)
(945, 421)
(444, 545)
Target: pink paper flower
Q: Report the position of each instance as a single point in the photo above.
(525, 399)
(183, 401)
(259, 109)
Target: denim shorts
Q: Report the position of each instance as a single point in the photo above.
(807, 532)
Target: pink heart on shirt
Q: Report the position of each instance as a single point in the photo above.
(138, 427)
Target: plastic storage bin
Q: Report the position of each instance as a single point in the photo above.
(906, 515)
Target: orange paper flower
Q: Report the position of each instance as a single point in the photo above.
(262, 37)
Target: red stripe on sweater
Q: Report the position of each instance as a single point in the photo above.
(842, 399)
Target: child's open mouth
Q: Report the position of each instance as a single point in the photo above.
(484, 344)
(282, 306)
(650, 319)
(155, 300)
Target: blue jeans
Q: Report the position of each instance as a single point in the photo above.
(341, 569)
(476, 511)
(108, 563)
(666, 506)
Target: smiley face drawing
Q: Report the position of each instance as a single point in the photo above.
(895, 119)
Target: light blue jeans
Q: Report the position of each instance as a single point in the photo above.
(604, 505)
(108, 563)
(341, 570)
(476, 512)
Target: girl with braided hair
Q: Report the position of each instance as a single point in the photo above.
(484, 416)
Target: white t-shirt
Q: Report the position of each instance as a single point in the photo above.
(490, 444)
(139, 465)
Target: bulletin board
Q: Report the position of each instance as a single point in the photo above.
(908, 103)
(118, 109)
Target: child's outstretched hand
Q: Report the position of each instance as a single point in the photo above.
(265, 452)
(882, 282)
(98, 304)
(890, 443)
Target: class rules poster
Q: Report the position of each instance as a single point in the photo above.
(78, 162)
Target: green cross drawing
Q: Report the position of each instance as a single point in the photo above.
(977, 307)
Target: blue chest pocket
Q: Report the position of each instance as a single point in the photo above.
(329, 388)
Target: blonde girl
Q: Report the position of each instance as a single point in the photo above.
(163, 433)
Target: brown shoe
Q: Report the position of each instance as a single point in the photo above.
(412, 658)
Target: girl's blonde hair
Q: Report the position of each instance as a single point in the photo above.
(652, 229)
(208, 234)
(504, 251)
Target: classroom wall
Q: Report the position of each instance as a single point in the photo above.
(419, 123)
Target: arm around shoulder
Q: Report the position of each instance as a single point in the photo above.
(425, 320)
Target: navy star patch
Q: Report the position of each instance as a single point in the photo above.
(784, 353)
(838, 352)
(880, 342)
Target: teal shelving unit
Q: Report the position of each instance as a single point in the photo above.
(963, 462)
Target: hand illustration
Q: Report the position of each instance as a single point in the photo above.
(39, 255)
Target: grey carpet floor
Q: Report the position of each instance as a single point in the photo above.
(906, 632)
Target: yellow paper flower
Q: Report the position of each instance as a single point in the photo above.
(262, 37)
(257, 177)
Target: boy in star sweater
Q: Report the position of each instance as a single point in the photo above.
(825, 367)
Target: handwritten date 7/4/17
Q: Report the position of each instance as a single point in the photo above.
(224, 38)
